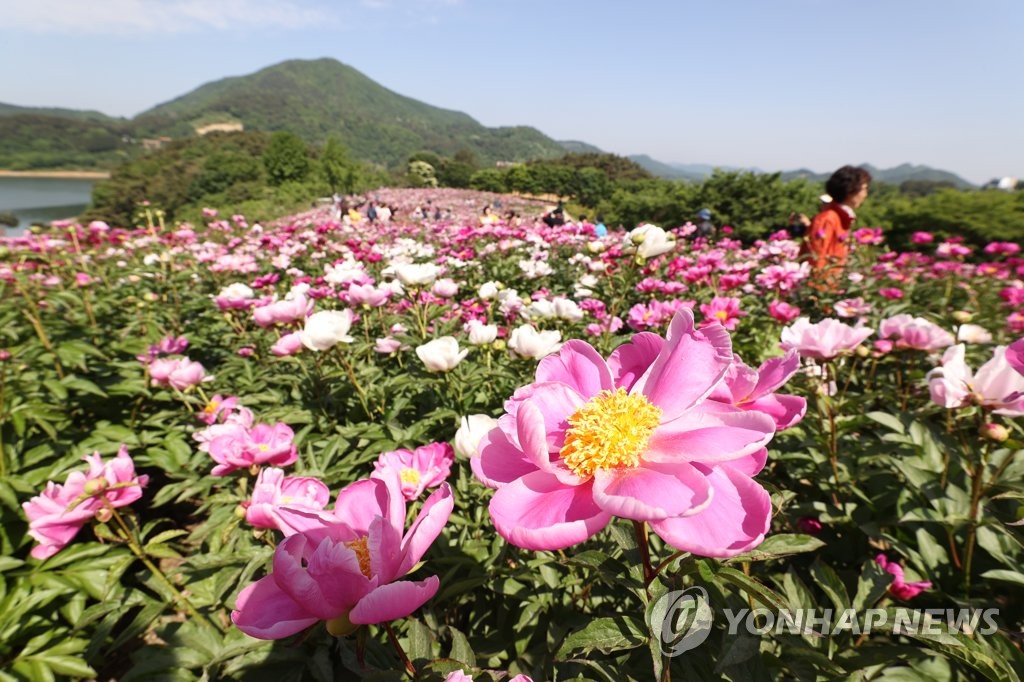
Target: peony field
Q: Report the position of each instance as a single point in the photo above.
(449, 447)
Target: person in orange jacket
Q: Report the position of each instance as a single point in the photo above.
(826, 242)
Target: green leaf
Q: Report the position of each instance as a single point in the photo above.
(831, 584)
(751, 586)
(1004, 575)
(606, 635)
(780, 545)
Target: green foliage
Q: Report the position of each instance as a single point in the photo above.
(286, 158)
(340, 172)
(41, 142)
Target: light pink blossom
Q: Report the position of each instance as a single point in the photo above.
(822, 340)
(57, 514)
(425, 467)
(273, 490)
(345, 566)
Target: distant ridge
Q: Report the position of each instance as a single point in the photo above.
(319, 98)
(893, 176)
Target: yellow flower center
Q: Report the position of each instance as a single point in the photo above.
(610, 431)
(262, 447)
(363, 553)
(722, 315)
(211, 407)
(410, 476)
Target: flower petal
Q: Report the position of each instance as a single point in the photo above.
(736, 520)
(688, 368)
(579, 366)
(425, 529)
(629, 361)
(500, 461)
(394, 600)
(715, 433)
(651, 491)
(538, 511)
(264, 611)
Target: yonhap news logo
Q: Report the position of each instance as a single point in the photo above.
(684, 619)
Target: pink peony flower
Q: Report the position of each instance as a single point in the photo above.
(723, 310)
(823, 340)
(425, 467)
(1015, 355)
(178, 373)
(782, 311)
(218, 408)
(996, 385)
(891, 293)
(345, 566)
(289, 344)
(750, 389)
(273, 490)
(922, 238)
(283, 312)
(915, 333)
(57, 514)
(899, 587)
(236, 446)
(809, 525)
(633, 436)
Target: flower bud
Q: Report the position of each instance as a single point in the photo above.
(240, 511)
(104, 514)
(994, 432)
(95, 486)
(862, 351)
(962, 316)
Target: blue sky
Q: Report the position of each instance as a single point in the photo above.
(773, 84)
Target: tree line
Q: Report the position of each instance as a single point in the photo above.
(263, 174)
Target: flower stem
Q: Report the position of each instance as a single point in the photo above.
(129, 537)
(399, 650)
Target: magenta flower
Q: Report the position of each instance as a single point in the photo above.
(1015, 355)
(345, 567)
(899, 587)
(217, 409)
(634, 436)
(782, 311)
(723, 310)
(425, 467)
(823, 340)
(235, 446)
(60, 511)
(273, 490)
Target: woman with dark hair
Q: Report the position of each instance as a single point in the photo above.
(826, 237)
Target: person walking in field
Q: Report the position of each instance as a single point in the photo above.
(826, 245)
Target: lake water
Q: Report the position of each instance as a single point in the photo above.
(40, 200)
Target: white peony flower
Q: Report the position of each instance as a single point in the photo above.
(526, 342)
(326, 328)
(471, 430)
(416, 274)
(441, 355)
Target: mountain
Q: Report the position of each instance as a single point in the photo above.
(578, 147)
(323, 97)
(56, 112)
(663, 170)
(892, 176)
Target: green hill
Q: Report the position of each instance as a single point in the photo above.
(318, 98)
(897, 175)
